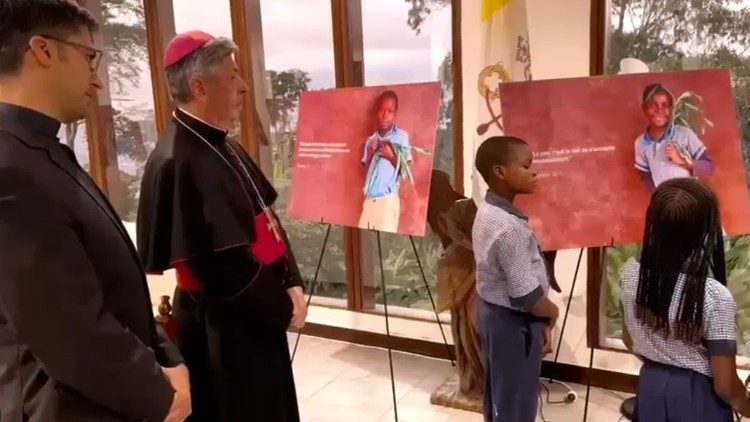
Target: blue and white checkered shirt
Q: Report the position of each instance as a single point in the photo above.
(651, 156)
(718, 326)
(511, 270)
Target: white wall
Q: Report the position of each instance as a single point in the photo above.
(471, 66)
(559, 38)
(559, 34)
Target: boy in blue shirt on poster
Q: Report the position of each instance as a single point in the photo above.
(387, 152)
(666, 150)
(515, 317)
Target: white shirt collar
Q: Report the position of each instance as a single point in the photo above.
(202, 121)
(388, 132)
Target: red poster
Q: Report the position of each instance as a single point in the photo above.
(363, 157)
(590, 151)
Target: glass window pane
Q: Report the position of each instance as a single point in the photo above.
(298, 53)
(129, 80)
(74, 136)
(411, 42)
(191, 15)
(709, 37)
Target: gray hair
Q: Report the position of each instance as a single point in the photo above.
(202, 63)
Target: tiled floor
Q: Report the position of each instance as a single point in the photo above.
(574, 349)
(344, 382)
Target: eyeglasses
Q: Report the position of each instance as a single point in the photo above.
(92, 55)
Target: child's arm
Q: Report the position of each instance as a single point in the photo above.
(698, 165)
(648, 180)
(702, 164)
(368, 153)
(544, 308)
(389, 153)
(550, 256)
(625, 334)
(728, 385)
(524, 290)
(719, 327)
(641, 164)
(401, 139)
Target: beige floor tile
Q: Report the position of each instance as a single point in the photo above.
(339, 382)
(466, 417)
(342, 414)
(418, 414)
(311, 384)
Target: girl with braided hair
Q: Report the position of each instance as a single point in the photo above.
(679, 314)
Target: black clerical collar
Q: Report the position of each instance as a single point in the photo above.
(30, 119)
(206, 130)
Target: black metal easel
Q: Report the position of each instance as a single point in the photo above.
(385, 306)
(591, 357)
(387, 327)
(588, 386)
(314, 283)
(570, 396)
(432, 301)
(567, 306)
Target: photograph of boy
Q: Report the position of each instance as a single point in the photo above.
(667, 150)
(387, 158)
(515, 316)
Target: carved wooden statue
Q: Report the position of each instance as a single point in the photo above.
(456, 292)
(166, 320)
(442, 196)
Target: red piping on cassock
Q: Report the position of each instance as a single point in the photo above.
(186, 280)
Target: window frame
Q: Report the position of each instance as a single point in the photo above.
(349, 69)
(347, 34)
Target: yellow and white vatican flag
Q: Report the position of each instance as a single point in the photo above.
(504, 57)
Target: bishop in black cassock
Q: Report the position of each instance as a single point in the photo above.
(204, 211)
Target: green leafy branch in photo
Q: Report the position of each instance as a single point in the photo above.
(688, 112)
(403, 156)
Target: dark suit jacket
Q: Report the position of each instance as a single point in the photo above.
(77, 335)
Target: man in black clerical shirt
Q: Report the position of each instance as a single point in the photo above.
(205, 212)
(77, 334)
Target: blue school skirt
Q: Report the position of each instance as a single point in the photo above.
(512, 344)
(671, 394)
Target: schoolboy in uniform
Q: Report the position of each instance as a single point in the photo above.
(667, 150)
(512, 282)
(385, 151)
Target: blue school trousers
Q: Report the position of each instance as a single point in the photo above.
(512, 344)
(671, 394)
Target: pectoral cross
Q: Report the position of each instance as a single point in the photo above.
(273, 224)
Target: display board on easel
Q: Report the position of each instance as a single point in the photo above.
(338, 176)
(587, 137)
(715, 124)
(585, 132)
(363, 158)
